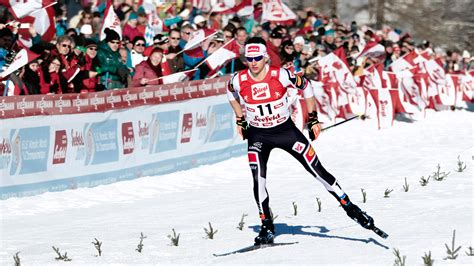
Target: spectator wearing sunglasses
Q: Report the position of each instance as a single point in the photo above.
(176, 64)
(91, 69)
(115, 73)
(70, 67)
(137, 50)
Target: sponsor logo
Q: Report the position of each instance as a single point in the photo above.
(298, 147)
(201, 120)
(383, 108)
(60, 147)
(76, 138)
(310, 154)
(260, 91)
(5, 147)
(187, 127)
(278, 105)
(128, 138)
(143, 130)
(253, 49)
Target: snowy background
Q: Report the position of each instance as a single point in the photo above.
(359, 155)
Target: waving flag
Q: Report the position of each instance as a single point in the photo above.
(198, 37)
(277, 11)
(244, 8)
(220, 57)
(22, 58)
(111, 21)
(43, 22)
(20, 9)
(373, 50)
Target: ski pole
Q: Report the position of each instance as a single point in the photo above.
(344, 121)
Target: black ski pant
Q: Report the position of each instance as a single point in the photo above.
(261, 141)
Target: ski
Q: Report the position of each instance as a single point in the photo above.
(254, 247)
(379, 232)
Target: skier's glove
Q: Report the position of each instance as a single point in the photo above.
(240, 121)
(314, 127)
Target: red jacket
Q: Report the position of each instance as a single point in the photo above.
(46, 86)
(274, 54)
(143, 70)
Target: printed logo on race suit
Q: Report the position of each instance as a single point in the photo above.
(30, 150)
(299, 147)
(260, 91)
(310, 154)
(128, 138)
(60, 147)
(164, 131)
(219, 123)
(144, 134)
(5, 152)
(187, 127)
(253, 49)
(102, 142)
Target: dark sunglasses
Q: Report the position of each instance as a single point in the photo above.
(115, 42)
(175, 38)
(187, 33)
(92, 48)
(228, 36)
(66, 45)
(139, 44)
(256, 59)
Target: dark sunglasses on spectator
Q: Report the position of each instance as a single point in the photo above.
(256, 59)
(139, 44)
(92, 48)
(228, 36)
(115, 42)
(175, 38)
(66, 45)
(187, 33)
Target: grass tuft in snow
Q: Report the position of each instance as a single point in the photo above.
(98, 245)
(174, 238)
(17, 259)
(210, 232)
(295, 209)
(438, 175)
(364, 195)
(319, 204)
(424, 181)
(140, 245)
(387, 193)
(399, 261)
(471, 251)
(452, 252)
(242, 223)
(461, 165)
(406, 186)
(60, 256)
(427, 260)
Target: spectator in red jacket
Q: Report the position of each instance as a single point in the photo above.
(130, 30)
(273, 48)
(50, 79)
(148, 72)
(91, 68)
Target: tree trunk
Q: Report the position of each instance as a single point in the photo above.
(380, 18)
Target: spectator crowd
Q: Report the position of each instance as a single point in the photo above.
(82, 58)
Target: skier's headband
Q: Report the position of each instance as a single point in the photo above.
(255, 49)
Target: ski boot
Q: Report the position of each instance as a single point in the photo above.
(356, 214)
(267, 233)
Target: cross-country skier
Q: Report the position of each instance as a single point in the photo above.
(267, 125)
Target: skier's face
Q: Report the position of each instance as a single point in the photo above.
(256, 64)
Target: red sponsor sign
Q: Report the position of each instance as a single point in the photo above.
(186, 129)
(60, 147)
(252, 157)
(128, 138)
(310, 154)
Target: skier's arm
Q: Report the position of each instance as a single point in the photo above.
(234, 100)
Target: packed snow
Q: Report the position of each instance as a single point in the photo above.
(360, 156)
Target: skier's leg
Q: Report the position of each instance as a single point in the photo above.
(300, 148)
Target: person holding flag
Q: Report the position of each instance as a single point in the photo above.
(267, 125)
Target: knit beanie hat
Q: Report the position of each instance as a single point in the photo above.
(111, 35)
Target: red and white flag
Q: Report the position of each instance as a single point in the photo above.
(239, 7)
(220, 57)
(111, 21)
(22, 8)
(22, 58)
(178, 77)
(277, 11)
(203, 5)
(198, 37)
(405, 65)
(373, 50)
